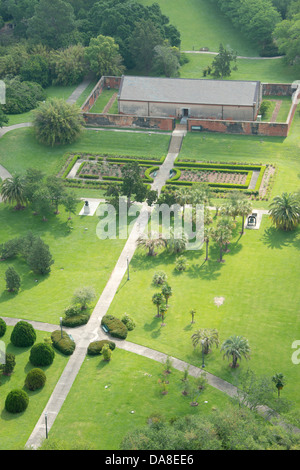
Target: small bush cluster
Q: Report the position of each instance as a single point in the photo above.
(115, 326)
(95, 347)
(2, 327)
(128, 322)
(63, 344)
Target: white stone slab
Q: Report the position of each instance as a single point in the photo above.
(93, 206)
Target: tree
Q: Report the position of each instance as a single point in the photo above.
(69, 65)
(222, 63)
(39, 258)
(222, 236)
(158, 300)
(70, 202)
(3, 117)
(208, 233)
(56, 191)
(209, 336)
(53, 24)
(57, 122)
(145, 37)
(192, 312)
(9, 364)
(132, 183)
(41, 202)
(284, 211)
(36, 69)
(166, 60)
(12, 190)
(106, 352)
(103, 56)
(13, 280)
(279, 381)
(236, 347)
(163, 310)
(83, 296)
(287, 37)
(166, 291)
(244, 209)
(177, 242)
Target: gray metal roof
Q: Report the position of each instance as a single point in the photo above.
(189, 91)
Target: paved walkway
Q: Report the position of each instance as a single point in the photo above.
(79, 90)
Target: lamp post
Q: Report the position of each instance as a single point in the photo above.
(46, 425)
(202, 342)
(128, 278)
(61, 331)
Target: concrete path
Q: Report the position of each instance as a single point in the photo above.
(4, 130)
(78, 91)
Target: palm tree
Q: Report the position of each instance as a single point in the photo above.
(285, 211)
(151, 242)
(208, 232)
(176, 244)
(222, 236)
(236, 347)
(163, 310)
(279, 382)
(12, 190)
(209, 336)
(166, 292)
(158, 300)
(244, 209)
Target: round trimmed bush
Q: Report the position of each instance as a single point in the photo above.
(23, 334)
(2, 327)
(16, 401)
(41, 354)
(35, 379)
(63, 344)
(95, 347)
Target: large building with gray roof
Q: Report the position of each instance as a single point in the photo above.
(190, 98)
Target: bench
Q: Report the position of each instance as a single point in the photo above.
(104, 328)
(196, 128)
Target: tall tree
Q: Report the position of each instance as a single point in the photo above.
(236, 347)
(284, 211)
(222, 63)
(145, 37)
(103, 56)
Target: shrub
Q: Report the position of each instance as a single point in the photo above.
(23, 334)
(106, 351)
(95, 347)
(264, 107)
(13, 280)
(16, 401)
(63, 344)
(22, 96)
(130, 324)
(159, 278)
(115, 326)
(41, 354)
(76, 320)
(10, 249)
(181, 263)
(83, 296)
(2, 327)
(9, 365)
(35, 379)
(72, 310)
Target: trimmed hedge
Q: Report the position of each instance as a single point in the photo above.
(75, 320)
(35, 379)
(115, 326)
(63, 344)
(224, 166)
(23, 335)
(95, 347)
(41, 354)
(16, 401)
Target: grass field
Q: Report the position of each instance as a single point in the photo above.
(16, 429)
(254, 305)
(28, 153)
(132, 385)
(103, 100)
(267, 70)
(201, 24)
(81, 259)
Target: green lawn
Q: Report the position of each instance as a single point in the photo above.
(201, 24)
(102, 416)
(102, 100)
(15, 429)
(28, 153)
(81, 259)
(259, 281)
(267, 70)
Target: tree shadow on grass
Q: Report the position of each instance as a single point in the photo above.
(278, 239)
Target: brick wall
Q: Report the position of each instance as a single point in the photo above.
(104, 82)
(123, 120)
(240, 127)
